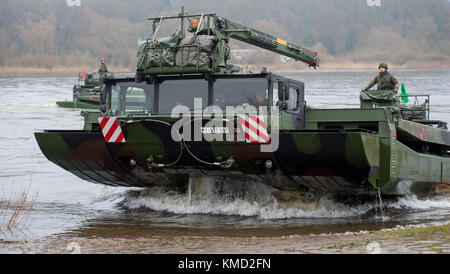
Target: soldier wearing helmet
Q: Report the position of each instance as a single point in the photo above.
(197, 27)
(194, 25)
(102, 69)
(384, 80)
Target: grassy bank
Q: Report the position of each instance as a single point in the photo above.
(440, 231)
(433, 239)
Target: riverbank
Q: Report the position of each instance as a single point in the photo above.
(413, 240)
(69, 70)
(66, 70)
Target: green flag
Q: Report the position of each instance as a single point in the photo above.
(404, 94)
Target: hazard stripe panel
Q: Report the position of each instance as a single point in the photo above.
(255, 130)
(111, 130)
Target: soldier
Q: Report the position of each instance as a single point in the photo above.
(103, 69)
(194, 25)
(259, 102)
(384, 80)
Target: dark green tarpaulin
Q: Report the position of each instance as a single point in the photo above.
(157, 52)
(377, 95)
(196, 50)
(371, 98)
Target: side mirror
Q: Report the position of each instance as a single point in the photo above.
(103, 100)
(283, 93)
(105, 93)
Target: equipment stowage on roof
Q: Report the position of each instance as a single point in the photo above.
(207, 50)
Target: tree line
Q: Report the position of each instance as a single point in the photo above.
(48, 34)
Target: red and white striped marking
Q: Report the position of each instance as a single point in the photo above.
(255, 129)
(111, 130)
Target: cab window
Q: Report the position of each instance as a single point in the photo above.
(293, 98)
(182, 93)
(241, 92)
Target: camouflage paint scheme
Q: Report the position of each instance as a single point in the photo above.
(341, 159)
(340, 151)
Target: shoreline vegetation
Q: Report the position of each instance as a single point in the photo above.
(348, 65)
(15, 213)
(42, 37)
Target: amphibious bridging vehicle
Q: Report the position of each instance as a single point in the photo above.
(86, 94)
(135, 140)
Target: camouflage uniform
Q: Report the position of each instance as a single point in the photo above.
(384, 81)
(103, 68)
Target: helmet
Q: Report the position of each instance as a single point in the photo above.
(194, 22)
(383, 65)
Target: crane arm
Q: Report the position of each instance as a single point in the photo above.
(263, 40)
(225, 29)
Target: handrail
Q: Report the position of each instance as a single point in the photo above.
(181, 16)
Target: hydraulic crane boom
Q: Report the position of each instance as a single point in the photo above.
(260, 39)
(223, 29)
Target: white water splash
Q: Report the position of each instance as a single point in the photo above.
(207, 196)
(412, 202)
(108, 193)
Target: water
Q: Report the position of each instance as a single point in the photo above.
(66, 203)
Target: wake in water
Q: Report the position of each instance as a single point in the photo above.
(218, 197)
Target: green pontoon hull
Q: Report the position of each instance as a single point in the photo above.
(77, 105)
(356, 162)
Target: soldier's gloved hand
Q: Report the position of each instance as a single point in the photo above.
(396, 90)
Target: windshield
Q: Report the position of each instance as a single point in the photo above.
(241, 92)
(182, 93)
(130, 97)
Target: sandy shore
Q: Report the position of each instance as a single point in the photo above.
(435, 239)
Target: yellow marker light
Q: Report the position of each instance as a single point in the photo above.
(282, 42)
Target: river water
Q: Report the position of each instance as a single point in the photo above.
(65, 203)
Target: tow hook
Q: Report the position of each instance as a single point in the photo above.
(150, 162)
(228, 163)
